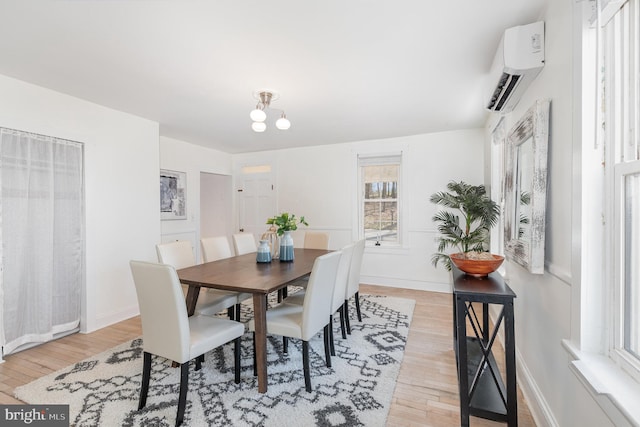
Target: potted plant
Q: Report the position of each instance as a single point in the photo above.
(478, 213)
(286, 223)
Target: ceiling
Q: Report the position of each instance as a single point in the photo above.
(346, 70)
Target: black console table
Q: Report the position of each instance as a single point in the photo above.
(482, 390)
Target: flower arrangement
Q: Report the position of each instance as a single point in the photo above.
(286, 222)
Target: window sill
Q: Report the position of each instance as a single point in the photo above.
(614, 390)
(386, 249)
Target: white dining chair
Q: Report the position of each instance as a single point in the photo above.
(244, 243)
(337, 303)
(168, 332)
(316, 240)
(353, 284)
(213, 249)
(305, 321)
(312, 240)
(210, 301)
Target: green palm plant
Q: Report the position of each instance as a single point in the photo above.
(478, 213)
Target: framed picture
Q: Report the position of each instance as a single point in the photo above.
(173, 195)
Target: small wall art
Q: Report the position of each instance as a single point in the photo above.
(173, 195)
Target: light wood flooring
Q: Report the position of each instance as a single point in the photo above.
(426, 393)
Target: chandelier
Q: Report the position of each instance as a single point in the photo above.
(258, 115)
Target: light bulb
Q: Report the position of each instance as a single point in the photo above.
(282, 123)
(258, 126)
(258, 115)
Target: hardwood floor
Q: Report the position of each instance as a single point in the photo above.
(426, 393)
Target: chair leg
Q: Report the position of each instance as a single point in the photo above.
(327, 344)
(199, 362)
(146, 373)
(236, 359)
(346, 316)
(343, 326)
(358, 306)
(184, 385)
(280, 295)
(285, 345)
(236, 316)
(333, 348)
(305, 365)
(230, 313)
(255, 368)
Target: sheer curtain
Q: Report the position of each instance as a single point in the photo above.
(42, 235)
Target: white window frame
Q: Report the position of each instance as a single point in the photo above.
(370, 159)
(621, 125)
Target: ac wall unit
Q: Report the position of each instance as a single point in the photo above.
(519, 59)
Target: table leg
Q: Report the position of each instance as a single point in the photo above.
(463, 375)
(510, 361)
(260, 322)
(192, 299)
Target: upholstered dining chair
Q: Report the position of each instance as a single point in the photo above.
(312, 240)
(244, 243)
(210, 301)
(168, 332)
(305, 321)
(339, 290)
(353, 285)
(316, 240)
(213, 249)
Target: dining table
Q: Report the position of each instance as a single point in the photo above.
(243, 274)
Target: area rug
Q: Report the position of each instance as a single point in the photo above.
(356, 391)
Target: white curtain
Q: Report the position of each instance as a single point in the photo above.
(42, 235)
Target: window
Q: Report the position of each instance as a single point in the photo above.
(380, 199)
(621, 101)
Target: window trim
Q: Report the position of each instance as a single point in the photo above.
(372, 158)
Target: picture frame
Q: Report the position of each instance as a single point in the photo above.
(173, 195)
(526, 188)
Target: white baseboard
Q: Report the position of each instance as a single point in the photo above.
(111, 318)
(540, 410)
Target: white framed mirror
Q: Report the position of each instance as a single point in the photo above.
(525, 188)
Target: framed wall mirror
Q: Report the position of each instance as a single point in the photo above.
(525, 188)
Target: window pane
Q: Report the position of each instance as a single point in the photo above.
(380, 199)
(371, 215)
(632, 266)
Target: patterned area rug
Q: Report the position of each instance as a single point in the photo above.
(356, 391)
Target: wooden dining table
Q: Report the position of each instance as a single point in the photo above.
(243, 274)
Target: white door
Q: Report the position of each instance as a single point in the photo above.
(256, 200)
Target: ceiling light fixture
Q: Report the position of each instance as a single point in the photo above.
(259, 115)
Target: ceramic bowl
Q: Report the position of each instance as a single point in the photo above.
(476, 267)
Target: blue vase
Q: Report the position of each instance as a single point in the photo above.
(263, 254)
(286, 247)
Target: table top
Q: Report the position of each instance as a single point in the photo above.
(243, 274)
(492, 286)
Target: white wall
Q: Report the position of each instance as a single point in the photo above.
(321, 183)
(121, 188)
(544, 302)
(184, 157)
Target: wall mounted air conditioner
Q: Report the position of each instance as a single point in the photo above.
(519, 59)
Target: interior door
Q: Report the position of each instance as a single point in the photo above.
(256, 199)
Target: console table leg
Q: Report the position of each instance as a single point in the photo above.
(510, 361)
(463, 376)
